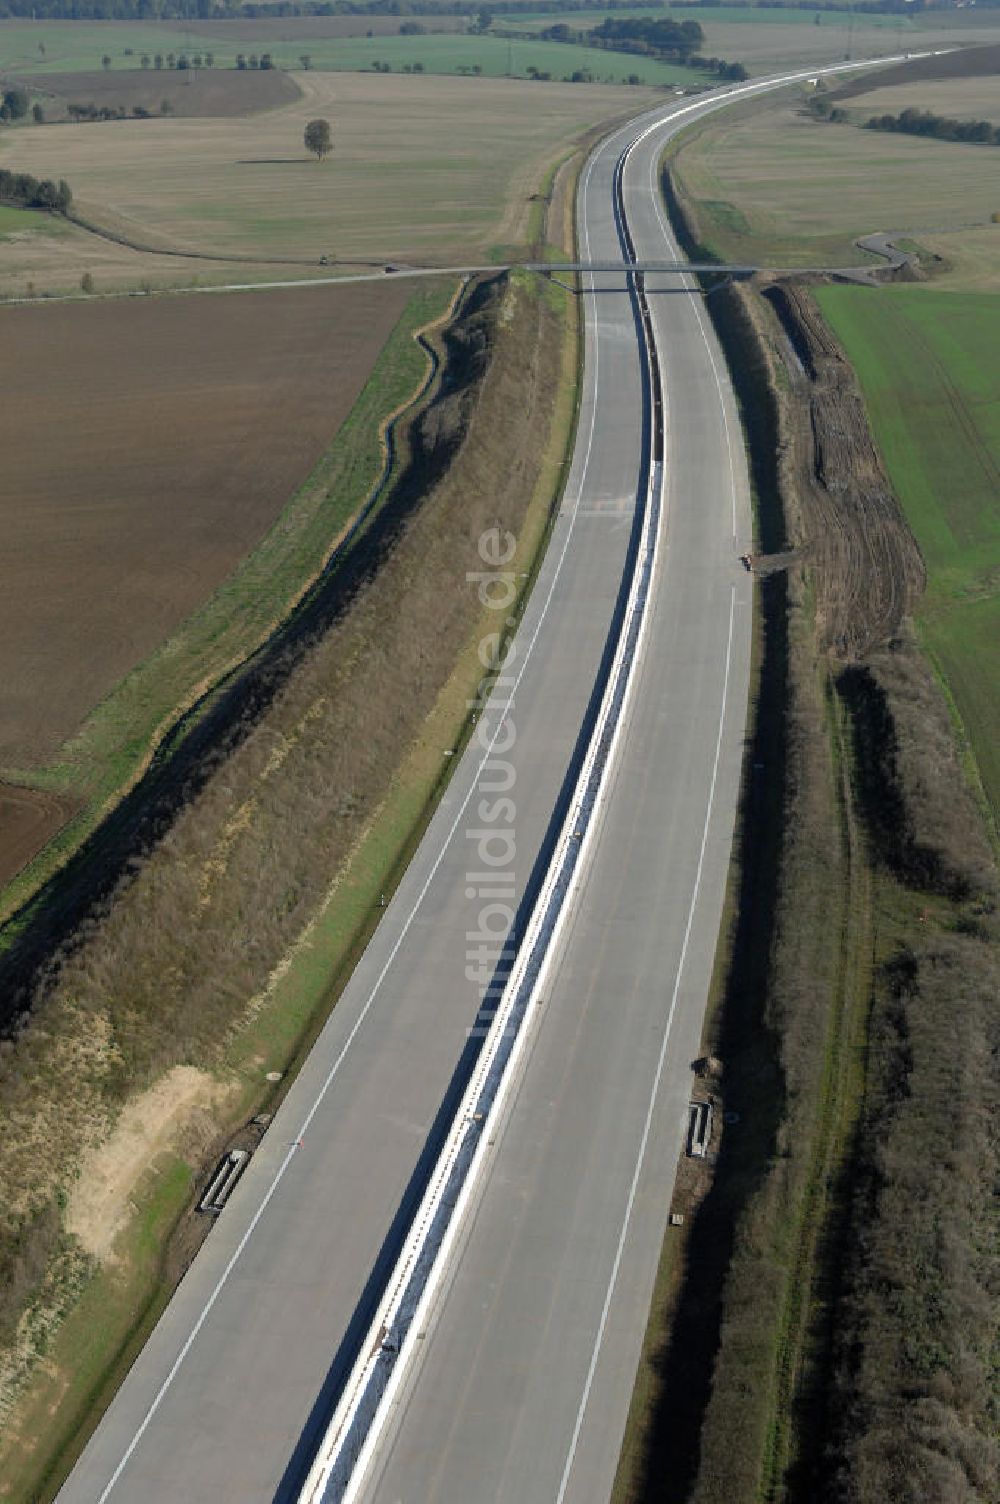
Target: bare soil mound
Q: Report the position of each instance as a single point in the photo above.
(148, 446)
(194, 92)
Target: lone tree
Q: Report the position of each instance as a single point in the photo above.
(318, 139)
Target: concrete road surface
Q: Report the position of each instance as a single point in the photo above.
(528, 1367)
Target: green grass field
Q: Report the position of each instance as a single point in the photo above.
(25, 221)
(80, 46)
(927, 364)
(496, 56)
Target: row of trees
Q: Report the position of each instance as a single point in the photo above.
(923, 123)
(173, 60)
(27, 192)
(673, 41)
(115, 111)
(380, 66)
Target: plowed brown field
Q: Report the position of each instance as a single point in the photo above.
(148, 446)
(202, 92)
(28, 818)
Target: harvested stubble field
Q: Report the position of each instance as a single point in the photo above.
(778, 187)
(198, 92)
(441, 170)
(149, 445)
(958, 98)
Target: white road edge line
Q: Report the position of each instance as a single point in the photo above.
(654, 1089)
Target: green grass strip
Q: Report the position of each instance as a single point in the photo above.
(926, 362)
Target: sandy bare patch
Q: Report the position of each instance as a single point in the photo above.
(175, 1115)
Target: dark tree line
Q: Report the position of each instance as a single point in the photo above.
(671, 41)
(675, 40)
(923, 123)
(84, 112)
(659, 38)
(26, 192)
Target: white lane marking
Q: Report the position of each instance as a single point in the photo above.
(654, 1089)
(699, 313)
(290, 1154)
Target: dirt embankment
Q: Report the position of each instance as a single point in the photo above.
(866, 565)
